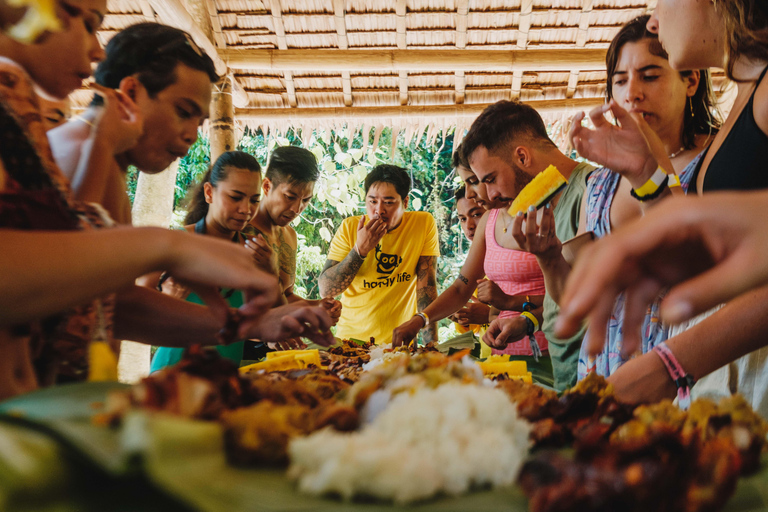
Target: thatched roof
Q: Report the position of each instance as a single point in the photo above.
(299, 62)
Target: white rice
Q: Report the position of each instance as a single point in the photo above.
(446, 439)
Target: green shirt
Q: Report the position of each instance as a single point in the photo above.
(565, 353)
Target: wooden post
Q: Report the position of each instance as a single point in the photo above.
(222, 125)
(152, 206)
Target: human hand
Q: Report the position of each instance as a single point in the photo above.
(291, 344)
(642, 379)
(205, 263)
(539, 240)
(709, 249)
(332, 307)
(489, 293)
(407, 332)
(504, 331)
(263, 255)
(624, 148)
(118, 122)
(369, 235)
(473, 313)
(283, 324)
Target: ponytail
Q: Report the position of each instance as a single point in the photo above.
(197, 206)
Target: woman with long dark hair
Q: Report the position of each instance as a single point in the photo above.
(221, 205)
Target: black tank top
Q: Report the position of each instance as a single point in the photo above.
(741, 163)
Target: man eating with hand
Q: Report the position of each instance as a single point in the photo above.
(383, 264)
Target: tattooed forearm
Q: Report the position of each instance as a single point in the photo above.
(337, 276)
(426, 292)
(463, 279)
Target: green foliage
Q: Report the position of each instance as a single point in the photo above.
(344, 164)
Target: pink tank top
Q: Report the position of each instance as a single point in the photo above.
(516, 273)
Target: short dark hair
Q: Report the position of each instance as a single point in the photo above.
(387, 173)
(460, 193)
(698, 118)
(292, 164)
(152, 51)
(502, 123)
(197, 207)
(459, 158)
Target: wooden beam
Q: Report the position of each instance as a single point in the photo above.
(346, 86)
(401, 12)
(147, 11)
(290, 89)
(462, 15)
(462, 22)
(277, 22)
(339, 17)
(416, 60)
(403, 87)
(216, 32)
(573, 82)
(221, 127)
(173, 13)
(584, 19)
(517, 84)
(300, 115)
(461, 84)
(524, 26)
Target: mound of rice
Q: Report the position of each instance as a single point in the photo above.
(446, 439)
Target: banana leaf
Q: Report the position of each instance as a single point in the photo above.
(185, 459)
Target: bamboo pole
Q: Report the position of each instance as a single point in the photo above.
(416, 60)
(410, 111)
(222, 124)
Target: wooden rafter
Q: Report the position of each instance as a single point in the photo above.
(462, 22)
(411, 111)
(523, 27)
(277, 21)
(416, 60)
(216, 33)
(401, 12)
(526, 9)
(573, 82)
(172, 12)
(146, 10)
(339, 16)
(584, 19)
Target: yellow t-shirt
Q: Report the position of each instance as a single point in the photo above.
(383, 293)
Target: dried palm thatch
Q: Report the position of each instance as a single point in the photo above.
(415, 65)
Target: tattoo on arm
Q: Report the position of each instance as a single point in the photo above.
(286, 255)
(337, 276)
(426, 292)
(463, 279)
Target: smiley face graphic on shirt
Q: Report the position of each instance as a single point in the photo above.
(386, 263)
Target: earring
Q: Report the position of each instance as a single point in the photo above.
(690, 104)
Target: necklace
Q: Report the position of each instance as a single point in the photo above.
(673, 155)
(506, 224)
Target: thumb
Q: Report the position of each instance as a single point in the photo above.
(482, 280)
(361, 224)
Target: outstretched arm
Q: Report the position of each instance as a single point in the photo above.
(426, 292)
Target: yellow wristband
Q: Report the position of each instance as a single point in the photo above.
(674, 181)
(530, 316)
(653, 184)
